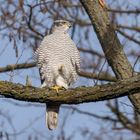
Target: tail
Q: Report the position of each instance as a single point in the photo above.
(52, 116)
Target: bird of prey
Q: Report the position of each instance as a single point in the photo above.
(58, 60)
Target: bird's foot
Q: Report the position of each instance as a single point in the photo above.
(57, 88)
(102, 3)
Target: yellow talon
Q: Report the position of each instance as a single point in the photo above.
(57, 88)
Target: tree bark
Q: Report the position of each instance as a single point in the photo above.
(71, 96)
(110, 44)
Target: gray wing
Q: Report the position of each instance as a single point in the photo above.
(41, 55)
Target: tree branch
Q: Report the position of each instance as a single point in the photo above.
(101, 76)
(135, 28)
(93, 52)
(71, 96)
(128, 36)
(110, 44)
(120, 11)
(29, 22)
(17, 67)
(124, 120)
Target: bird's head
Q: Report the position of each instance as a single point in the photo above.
(61, 25)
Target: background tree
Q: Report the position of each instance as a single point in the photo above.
(24, 23)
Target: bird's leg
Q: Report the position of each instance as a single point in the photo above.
(57, 88)
(102, 3)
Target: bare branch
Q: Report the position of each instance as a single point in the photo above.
(71, 96)
(91, 52)
(17, 67)
(124, 120)
(110, 43)
(120, 11)
(135, 28)
(107, 118)
(102, 76)
(29, 22)
(128, 36)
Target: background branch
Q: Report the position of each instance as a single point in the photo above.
(102, 76)
(120, 11)
(110, 43)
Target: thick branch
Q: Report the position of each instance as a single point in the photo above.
(71, 96)
(110, 43)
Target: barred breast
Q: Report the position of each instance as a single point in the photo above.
(55, 52)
